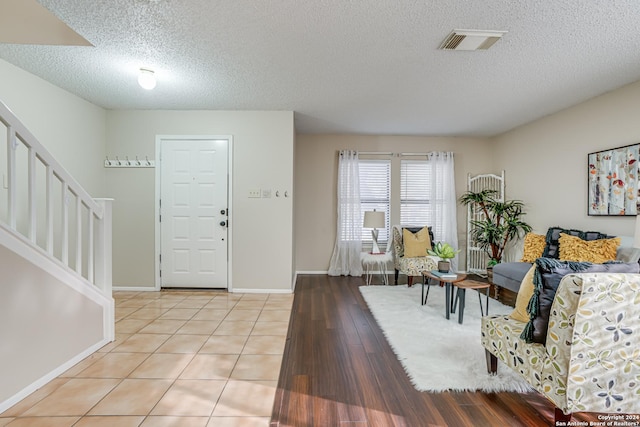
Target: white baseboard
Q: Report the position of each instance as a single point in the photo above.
(51, 375)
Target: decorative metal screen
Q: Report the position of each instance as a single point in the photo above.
(477, 258)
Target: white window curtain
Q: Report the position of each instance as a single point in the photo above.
(345, 260)
(443, 202)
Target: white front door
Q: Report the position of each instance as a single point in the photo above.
(193, 213)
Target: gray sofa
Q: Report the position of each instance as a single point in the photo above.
(509, 275)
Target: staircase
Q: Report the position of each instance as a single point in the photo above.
(56, 306)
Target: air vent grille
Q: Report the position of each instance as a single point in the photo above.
(471, 39)
(452, 42)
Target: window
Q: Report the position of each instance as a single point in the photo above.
(415, 191)
(375, 191)
(405, 189)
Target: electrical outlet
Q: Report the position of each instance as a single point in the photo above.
(255, 193)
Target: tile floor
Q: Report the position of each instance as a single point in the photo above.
(180, 358)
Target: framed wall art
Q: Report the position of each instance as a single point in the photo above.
(613, 181)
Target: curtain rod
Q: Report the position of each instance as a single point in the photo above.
(379, 153)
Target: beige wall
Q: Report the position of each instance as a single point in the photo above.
(546, 161)
(316, 168)
(262, 229)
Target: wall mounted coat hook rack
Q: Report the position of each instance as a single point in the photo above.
(128, 163)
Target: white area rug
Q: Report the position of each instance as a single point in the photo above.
(439, 354)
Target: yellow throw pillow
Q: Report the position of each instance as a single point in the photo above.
(533, 247)
(524, 295)
(609, 248)
(573, 248)
(416, 245)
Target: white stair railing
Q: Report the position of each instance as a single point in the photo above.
(50, 210)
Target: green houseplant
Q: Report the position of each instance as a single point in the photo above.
(444, 251)
(499, 223)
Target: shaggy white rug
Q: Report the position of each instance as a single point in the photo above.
(439, 354)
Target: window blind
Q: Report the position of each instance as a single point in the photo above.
(415, 191)
(375, 190)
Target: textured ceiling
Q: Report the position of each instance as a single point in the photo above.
(354, 66)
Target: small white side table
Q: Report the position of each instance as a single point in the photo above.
(372, 262)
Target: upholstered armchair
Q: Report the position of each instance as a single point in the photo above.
(590, 361)
(411, 266)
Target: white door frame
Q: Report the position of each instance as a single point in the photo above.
(230, 222)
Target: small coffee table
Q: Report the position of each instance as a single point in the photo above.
(444, 281)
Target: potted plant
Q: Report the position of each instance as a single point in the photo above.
(500, 222)
(444, 251)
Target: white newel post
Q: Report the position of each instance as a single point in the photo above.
(103, 261)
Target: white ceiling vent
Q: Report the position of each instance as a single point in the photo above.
(471, 39)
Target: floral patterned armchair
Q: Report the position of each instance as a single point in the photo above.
(410, 266)
(591, 359)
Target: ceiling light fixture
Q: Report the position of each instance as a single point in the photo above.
(471, 39)
(147, 79)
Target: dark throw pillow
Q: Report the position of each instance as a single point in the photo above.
(549, 272)
(552, 247)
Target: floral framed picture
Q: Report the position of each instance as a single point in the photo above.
(613, 181)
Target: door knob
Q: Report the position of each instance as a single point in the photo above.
(223, 223)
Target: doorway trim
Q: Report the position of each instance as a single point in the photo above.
(159, 140)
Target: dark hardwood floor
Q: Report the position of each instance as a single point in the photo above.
(338, 370)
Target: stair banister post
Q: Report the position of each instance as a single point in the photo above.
(103, 278)
(79, 235)
(103, 248)
(31, 185)
(64, 196)
(12, 144)
(49, 208)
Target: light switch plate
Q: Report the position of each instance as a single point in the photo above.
(255, 193)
